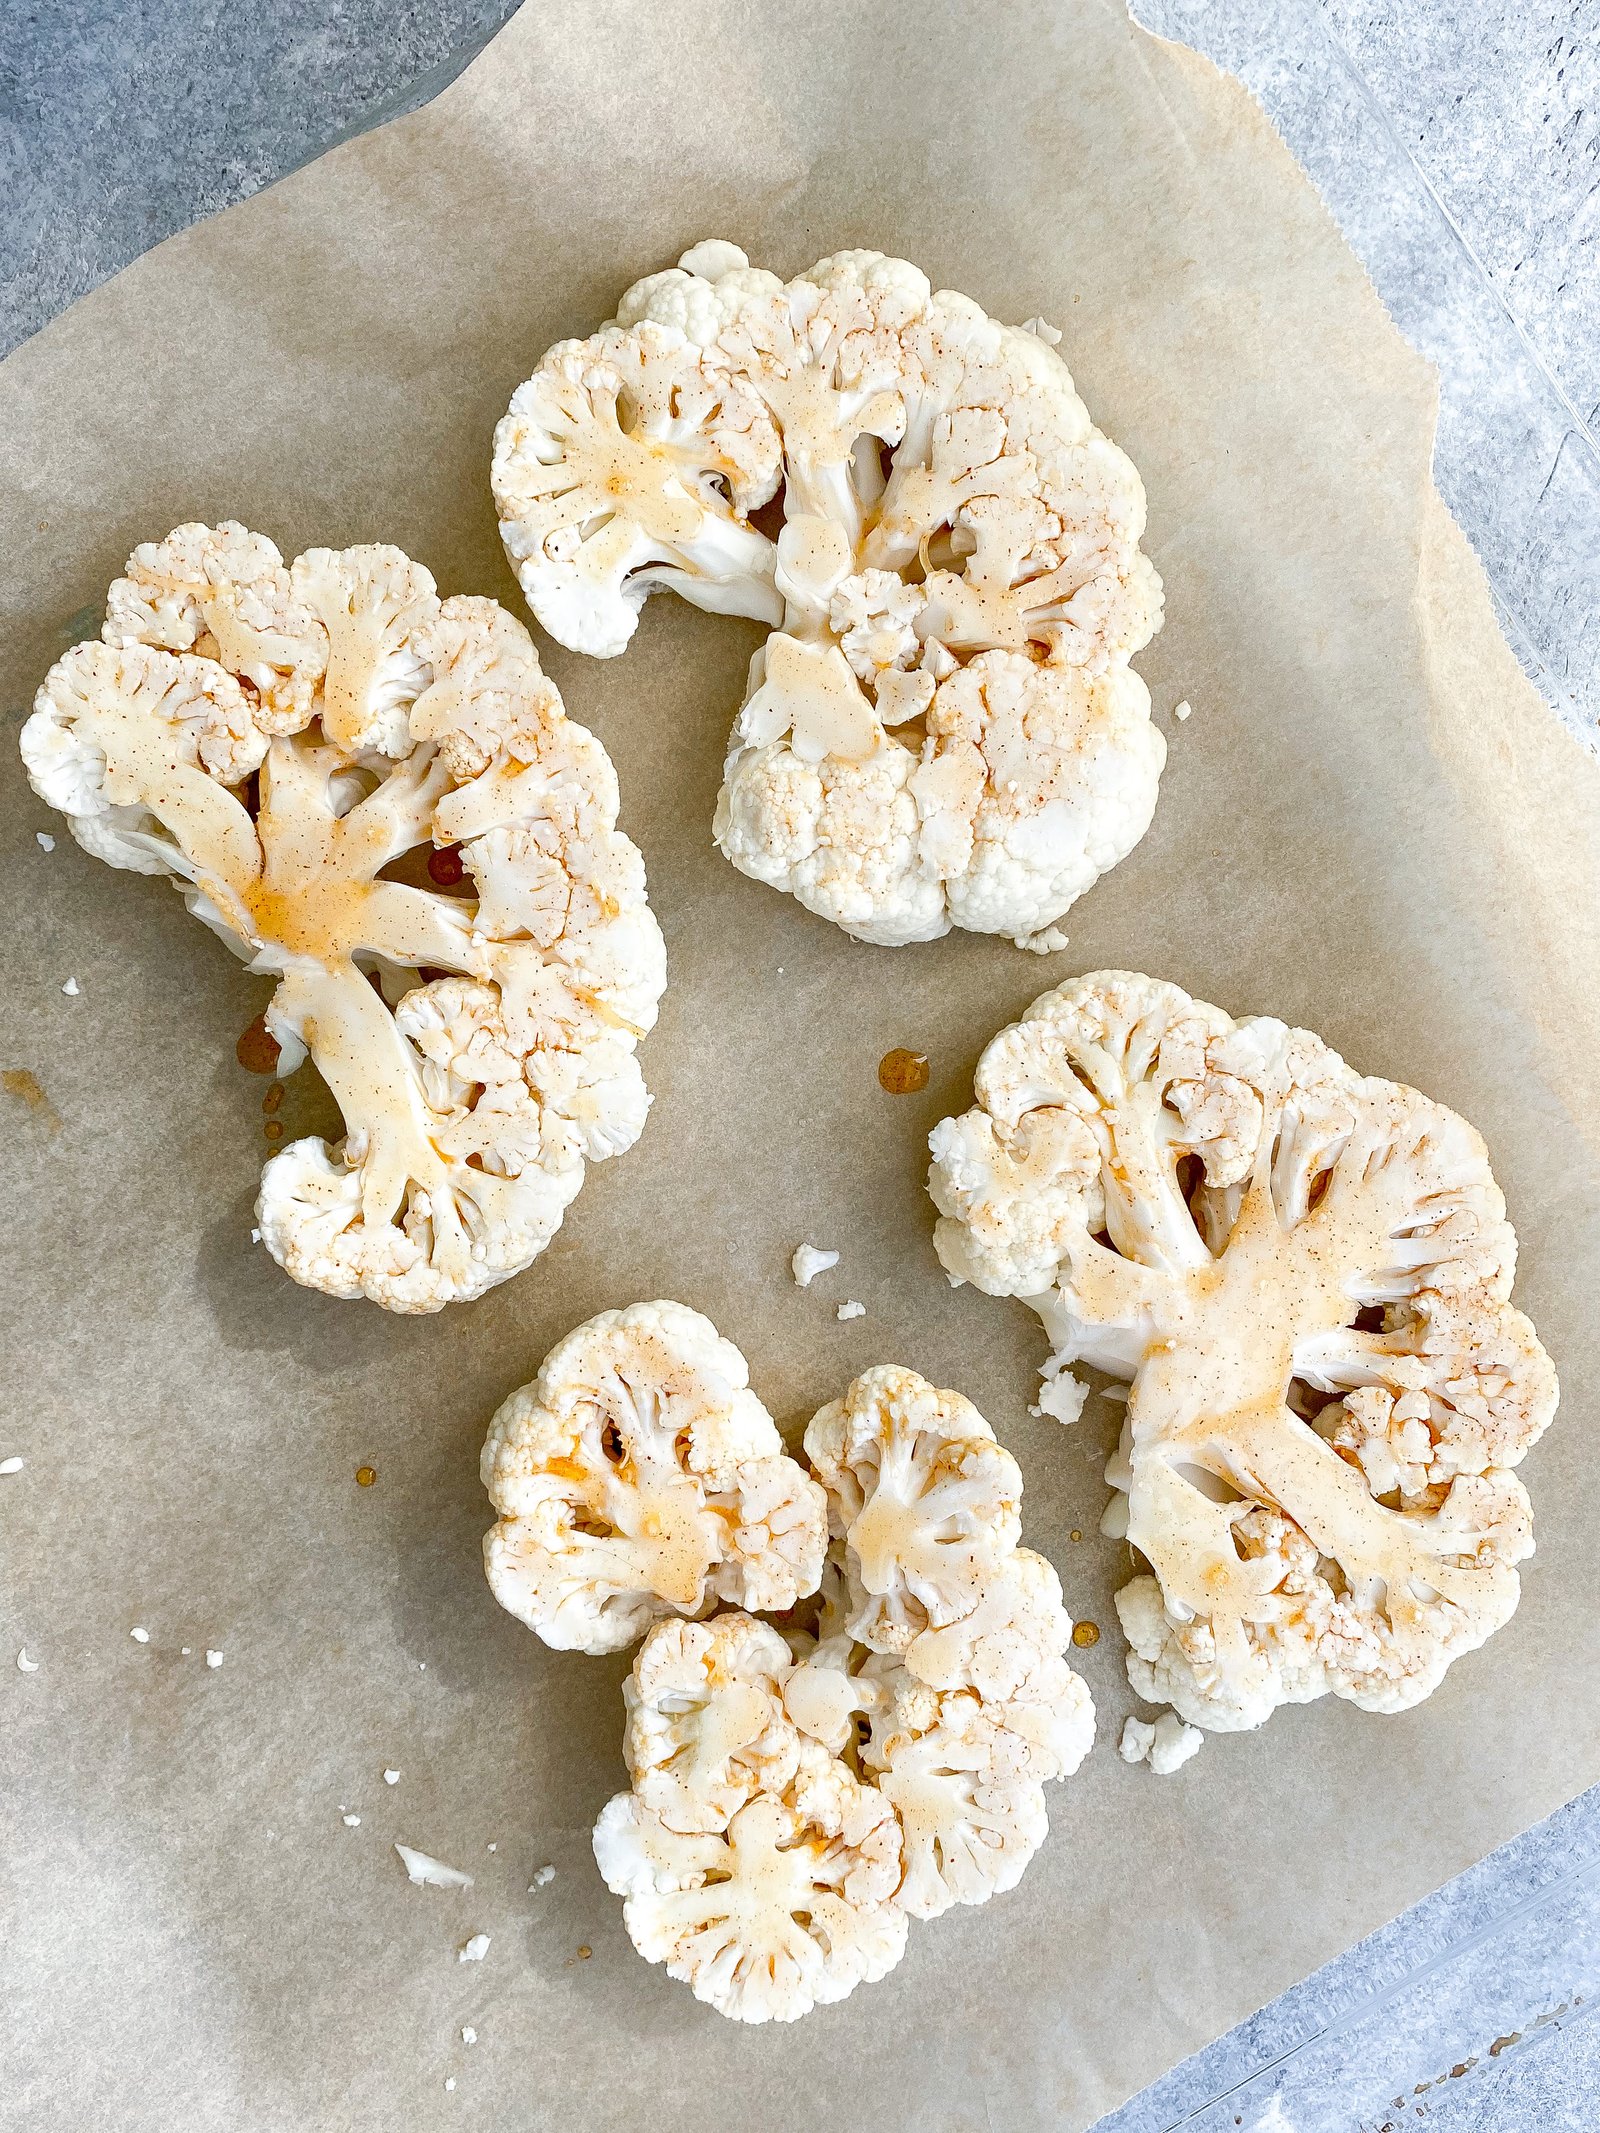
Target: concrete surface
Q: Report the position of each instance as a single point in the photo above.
(1458, 143)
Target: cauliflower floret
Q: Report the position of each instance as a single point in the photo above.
(273, 739)
(768, 1920)
(951, 517)
(1228, 1216)
(638, 1477)
(626, 463)
(707, 1729)
(922, 1497)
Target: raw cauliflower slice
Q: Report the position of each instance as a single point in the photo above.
(1305, 1273)
(922, 1497)
(942, 728)
(274, 740)
(638, 1477)
(768, 1919)
(936, 1668)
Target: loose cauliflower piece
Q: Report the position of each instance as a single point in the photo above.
(274, 740)
(942, 728)
(1305, 1273)
(638, 1477)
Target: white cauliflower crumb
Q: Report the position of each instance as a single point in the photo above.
(391, 1777)
(474, 1950)
(543, 1876)
(1173, 1744)
(469, 2036)
(1182, 711)
(255, 1236)
(140, 1636)
(71, 988)
(25, 1665)
(491, 1847)
(13, 1465)
(185, 1650)
(450, 2082)
(45, 841)
(943, 728)
(351, 1821)
(1061, 1397)
(213, 1658)
(852, 1309)
(426, 1872)
(1138, 1737)
(809, 1261)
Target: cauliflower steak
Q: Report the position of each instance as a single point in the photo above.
(275, 740)
(943, 728)
(796, 1798)
(1305, 1275)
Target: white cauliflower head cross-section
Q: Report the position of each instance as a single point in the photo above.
(1305, 1273)
(638, 1477)
(280, 742)
(942, 728)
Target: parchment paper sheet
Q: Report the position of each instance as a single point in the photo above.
(1369, 825)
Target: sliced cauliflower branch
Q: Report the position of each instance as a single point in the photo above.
(1305, 1275)
(796, 1798)
(638, 1477)
(942, 729)
(937, 1667)
(276, 741)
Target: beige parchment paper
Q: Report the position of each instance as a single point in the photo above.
(1369, 825)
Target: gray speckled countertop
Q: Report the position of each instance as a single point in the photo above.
(1458, 143)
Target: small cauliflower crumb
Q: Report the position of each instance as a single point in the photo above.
(185, 1650)
(213, 1658)
(430, 1873)
(25, 1665)
(469, 2036)
(543, 1876)
(491, 1847)
(255, 1236)
(1138, 1736)
(450, 2081)
(71, 988)
(12, 1465)
(45, 841)
(809, 1261)
(1061, 1397)
(1181, 711)
(852, 1309)
(140, 1636)
(1173, 1744)
(474, 1950)
(391, 1777)
(351, 1821)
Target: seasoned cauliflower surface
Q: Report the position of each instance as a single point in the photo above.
(797, 1797)
(275, 739)
(1305, 1273)
(638, 1477)
(942, 728)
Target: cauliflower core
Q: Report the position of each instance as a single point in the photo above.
(638, 1476)
(276, 740)
(942, 728)
(1305, 1274)
(797, 1798)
